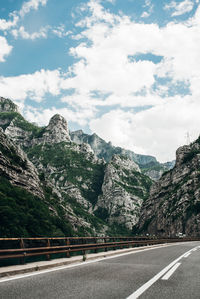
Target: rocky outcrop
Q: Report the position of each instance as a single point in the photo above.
(173, 207)
(106, 150)
(18, 134)
(16, 167)
(123, 191)
(56, 131)
(26, 134)
(7, 105)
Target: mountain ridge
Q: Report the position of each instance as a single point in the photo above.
(173, 207)
(52, 185)
(73, 176)
(102, 149)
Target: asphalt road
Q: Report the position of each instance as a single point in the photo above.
(166, 272)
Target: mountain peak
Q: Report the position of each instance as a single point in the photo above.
(57, 118)
(57, 130)
(77, 132)
(7, 105)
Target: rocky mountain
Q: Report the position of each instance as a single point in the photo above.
(123, 191)
(27, 207)
(53, 182)
(73, 184)
(102, 149)
(6, 105)
(173, 207)
(17, 168)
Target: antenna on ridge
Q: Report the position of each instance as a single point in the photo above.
(187, 136)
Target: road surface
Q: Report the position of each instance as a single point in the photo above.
(166, 272)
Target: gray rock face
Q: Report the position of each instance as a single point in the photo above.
(15, 166)
(7, 105)
(57, 130)
(154, 174)
(102, 149)
(123, 192)
(106, 150)
(69, 170)
(18, 135)
(174, 204)
(23, 134)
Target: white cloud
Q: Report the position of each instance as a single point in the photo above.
(34, 85)
(158, 131)
(29, 5)
(104, 66)
(21, 32)
(149, 6)
(5, 25)
(42, 117)
(60, 31)
(145, 14)
(5, 48)
(17, 15)
(111, 1)
(180, 8)
(98, 13)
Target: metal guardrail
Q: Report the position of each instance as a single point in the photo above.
(20, 248)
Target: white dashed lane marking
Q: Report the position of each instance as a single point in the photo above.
(149, 283)
(170, 272)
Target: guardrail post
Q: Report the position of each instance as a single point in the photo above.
(95, 241)
(22, 259)
(48, 245)
(114, 241)
(120, 240)
(106, 249)
(68, 243)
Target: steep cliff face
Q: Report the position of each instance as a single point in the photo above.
(7, 105)
(75, 175)
(27, 207)
(174, 203)
(8, 111)
(123, 191)
(16, 167)
(102, 149)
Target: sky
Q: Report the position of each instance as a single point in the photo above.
(127, 70)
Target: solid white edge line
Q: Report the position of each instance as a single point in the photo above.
(186, 255)
(170, 272)
(149, 283)
(81, 264)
